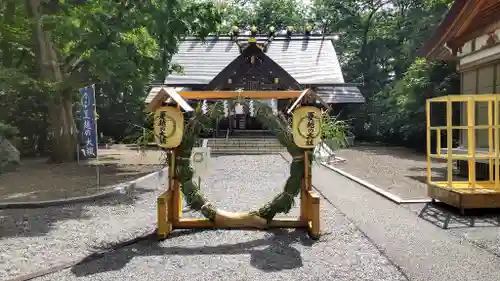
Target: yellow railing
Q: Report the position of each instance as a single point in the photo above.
(493, 127)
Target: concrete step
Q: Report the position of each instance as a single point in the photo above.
(243, 140)
(277, 148)
(241, 146)
(243, 152)
(240, 142)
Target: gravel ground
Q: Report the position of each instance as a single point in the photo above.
(36, 180)
(484, 233)
(244, 183)
(398, 170)
(36, 239)
(423, 251)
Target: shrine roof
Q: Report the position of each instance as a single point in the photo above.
(311, 60)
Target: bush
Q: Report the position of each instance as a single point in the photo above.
(7, 131)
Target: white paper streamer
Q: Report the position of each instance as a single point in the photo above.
(204, 107)
(274, 106)
(226, 108)
(251, 108)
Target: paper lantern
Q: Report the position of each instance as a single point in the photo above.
(168, 126)
(306, 126)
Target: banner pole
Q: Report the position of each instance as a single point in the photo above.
(96, 138)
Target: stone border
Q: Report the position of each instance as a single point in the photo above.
(113, 189)
(393, 197)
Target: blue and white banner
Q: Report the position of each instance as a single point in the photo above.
(88, 126)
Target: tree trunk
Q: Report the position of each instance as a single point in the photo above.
(60, 112)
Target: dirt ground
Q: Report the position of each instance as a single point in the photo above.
(35, 180)
(398, 170)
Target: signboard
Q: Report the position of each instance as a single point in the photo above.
(168, 126)
(200, 160)
(306, 126)
(88, 126)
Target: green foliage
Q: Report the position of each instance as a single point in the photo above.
(263, 14)
(7, 131)
(334, 132)
(400, 115)
(119, 46)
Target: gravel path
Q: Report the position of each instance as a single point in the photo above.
(398, 170)
(36, 239)
(422, 250)
(244, 183)
(479, 229)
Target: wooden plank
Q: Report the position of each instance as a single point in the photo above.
(178, 99)
(187, 223)
(298, 100)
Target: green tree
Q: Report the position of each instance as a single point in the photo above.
(263, 14)
(119, 45)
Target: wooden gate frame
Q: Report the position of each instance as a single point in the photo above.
(169, 203)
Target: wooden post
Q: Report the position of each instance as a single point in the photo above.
(171, 172)
(164, 225)
(176, 194)
(304, 195)
(428, 127)
(312, 201)
(496, 142)
(314, 226)
(471, 144)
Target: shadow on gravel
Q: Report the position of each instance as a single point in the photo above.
(439, 174)
(39, 221)
(278, 255)
(447, 217)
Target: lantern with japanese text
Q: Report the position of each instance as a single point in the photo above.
(168, 126)
(306, 126)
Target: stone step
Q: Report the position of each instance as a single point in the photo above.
(245, 151)
(248, 148)
(243, 142)
(241, 146)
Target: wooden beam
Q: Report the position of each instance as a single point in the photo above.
(188, 223)
(448, 28)
(302, 95)
(157, 101)
(244, 94)
(488, 24)
(163, 95)
(178, 99)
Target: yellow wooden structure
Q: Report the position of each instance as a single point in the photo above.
(169, 203)
(468, 193)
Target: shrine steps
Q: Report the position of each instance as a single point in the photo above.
(241, 146)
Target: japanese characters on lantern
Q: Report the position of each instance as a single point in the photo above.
(168, 126)
(306, 126)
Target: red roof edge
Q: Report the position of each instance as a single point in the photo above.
(445, 24)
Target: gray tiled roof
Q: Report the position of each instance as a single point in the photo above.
(312, 61)
(340, 94)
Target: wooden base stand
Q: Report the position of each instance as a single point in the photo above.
(169, 210)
